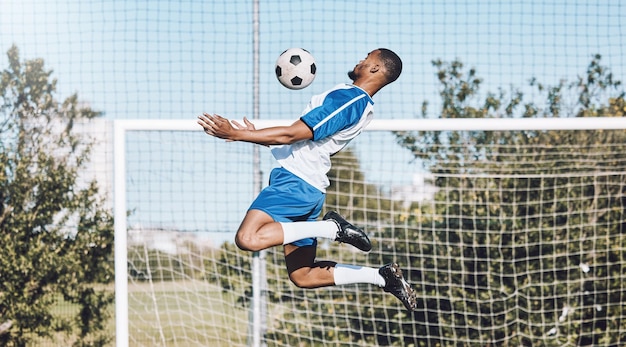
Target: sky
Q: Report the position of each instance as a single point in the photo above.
(171, 59)
(175, 59)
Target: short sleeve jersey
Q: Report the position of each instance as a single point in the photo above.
(335, 117)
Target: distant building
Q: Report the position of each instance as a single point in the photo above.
(169, 241)
(420, 190)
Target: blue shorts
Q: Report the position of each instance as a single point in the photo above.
(290, 199)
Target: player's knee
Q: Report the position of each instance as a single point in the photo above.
(246, 243)
(301, 279)
(249, 241)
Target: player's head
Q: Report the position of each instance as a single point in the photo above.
(380, 62)
(392, 63)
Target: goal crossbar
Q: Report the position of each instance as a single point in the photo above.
(435, 124)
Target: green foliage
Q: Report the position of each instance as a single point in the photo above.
(57, 236)
(351, 195)
(515, 232)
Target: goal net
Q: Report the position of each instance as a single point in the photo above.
(511, 232)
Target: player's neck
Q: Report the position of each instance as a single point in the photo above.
(369, 86)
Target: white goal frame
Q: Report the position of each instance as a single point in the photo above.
(121, 127)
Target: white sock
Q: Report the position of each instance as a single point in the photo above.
(301, 230)
(349, 274)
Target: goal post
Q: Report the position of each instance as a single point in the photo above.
(527, 254)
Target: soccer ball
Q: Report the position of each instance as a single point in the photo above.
(295, 68)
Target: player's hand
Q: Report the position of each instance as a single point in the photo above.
(248, 125)
(218, 126)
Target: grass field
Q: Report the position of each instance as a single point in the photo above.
(190, 313)
(183, 313)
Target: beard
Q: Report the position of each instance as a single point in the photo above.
(352, 75)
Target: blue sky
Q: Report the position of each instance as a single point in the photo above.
(175, 59)
(172, 59)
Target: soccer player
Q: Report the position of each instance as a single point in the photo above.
(286, 212)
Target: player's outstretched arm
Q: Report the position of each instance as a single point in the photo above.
(220, 127)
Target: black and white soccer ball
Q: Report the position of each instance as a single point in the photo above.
(295, 68)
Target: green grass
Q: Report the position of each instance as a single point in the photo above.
(182, 313)
(189, 313)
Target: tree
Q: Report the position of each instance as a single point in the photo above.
(351, 195)
(517, 230)
(56, 234)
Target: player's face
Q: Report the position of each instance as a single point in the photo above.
(362, 66)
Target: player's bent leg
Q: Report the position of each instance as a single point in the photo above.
(258, 231)
(304, 271)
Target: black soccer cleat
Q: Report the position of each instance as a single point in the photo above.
(348, 233)
(398, 286)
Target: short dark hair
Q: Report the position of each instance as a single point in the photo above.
(392, 63)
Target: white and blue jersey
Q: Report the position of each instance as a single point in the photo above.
(335, 117)
(297, 189)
